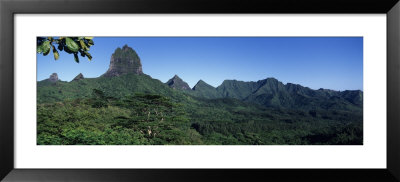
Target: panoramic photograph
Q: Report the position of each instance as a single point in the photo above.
(199, 91)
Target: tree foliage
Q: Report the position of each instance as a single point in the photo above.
(71, 45)
(151, 119)
(138, 110)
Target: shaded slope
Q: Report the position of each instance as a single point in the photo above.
(272, 93)
(177, 83)
(204, 90)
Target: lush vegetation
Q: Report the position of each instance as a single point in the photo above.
(71, 45)
(136, 109)
(137, 119)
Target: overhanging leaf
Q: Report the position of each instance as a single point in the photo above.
(83, 45)
(88, 55)
(60, 47)
(90, 42)
(71, 44)
(76, 57)
(39, 49)
(44, 48)
(55, 53)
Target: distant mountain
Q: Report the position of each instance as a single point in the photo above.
(78, 77)
(239, 89)
(53, 78)
(125, 77)
(125, 106)
(272, 93)
(124, 61)
(203, 89)
(177, 83)
(353, 96)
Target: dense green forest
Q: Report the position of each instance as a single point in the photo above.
(145, 111)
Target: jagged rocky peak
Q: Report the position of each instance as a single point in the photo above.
(53, 77)
(78, 77)
(123, 61)
(177, 83)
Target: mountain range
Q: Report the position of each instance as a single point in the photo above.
(272, 93)
(125, 106)
(125, 75)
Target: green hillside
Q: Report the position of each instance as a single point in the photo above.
(118, 87)
(127, 107)
(204, 90)
(136, 109)
(237, 89)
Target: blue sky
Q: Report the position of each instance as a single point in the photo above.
(316, 62)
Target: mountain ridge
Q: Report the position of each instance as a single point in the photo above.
(125, 106)
(269, 92)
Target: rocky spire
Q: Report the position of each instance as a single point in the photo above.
(124, 61)
(177, 83)
(78, 77)
(53, 78)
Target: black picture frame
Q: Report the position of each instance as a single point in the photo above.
(9, 8)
